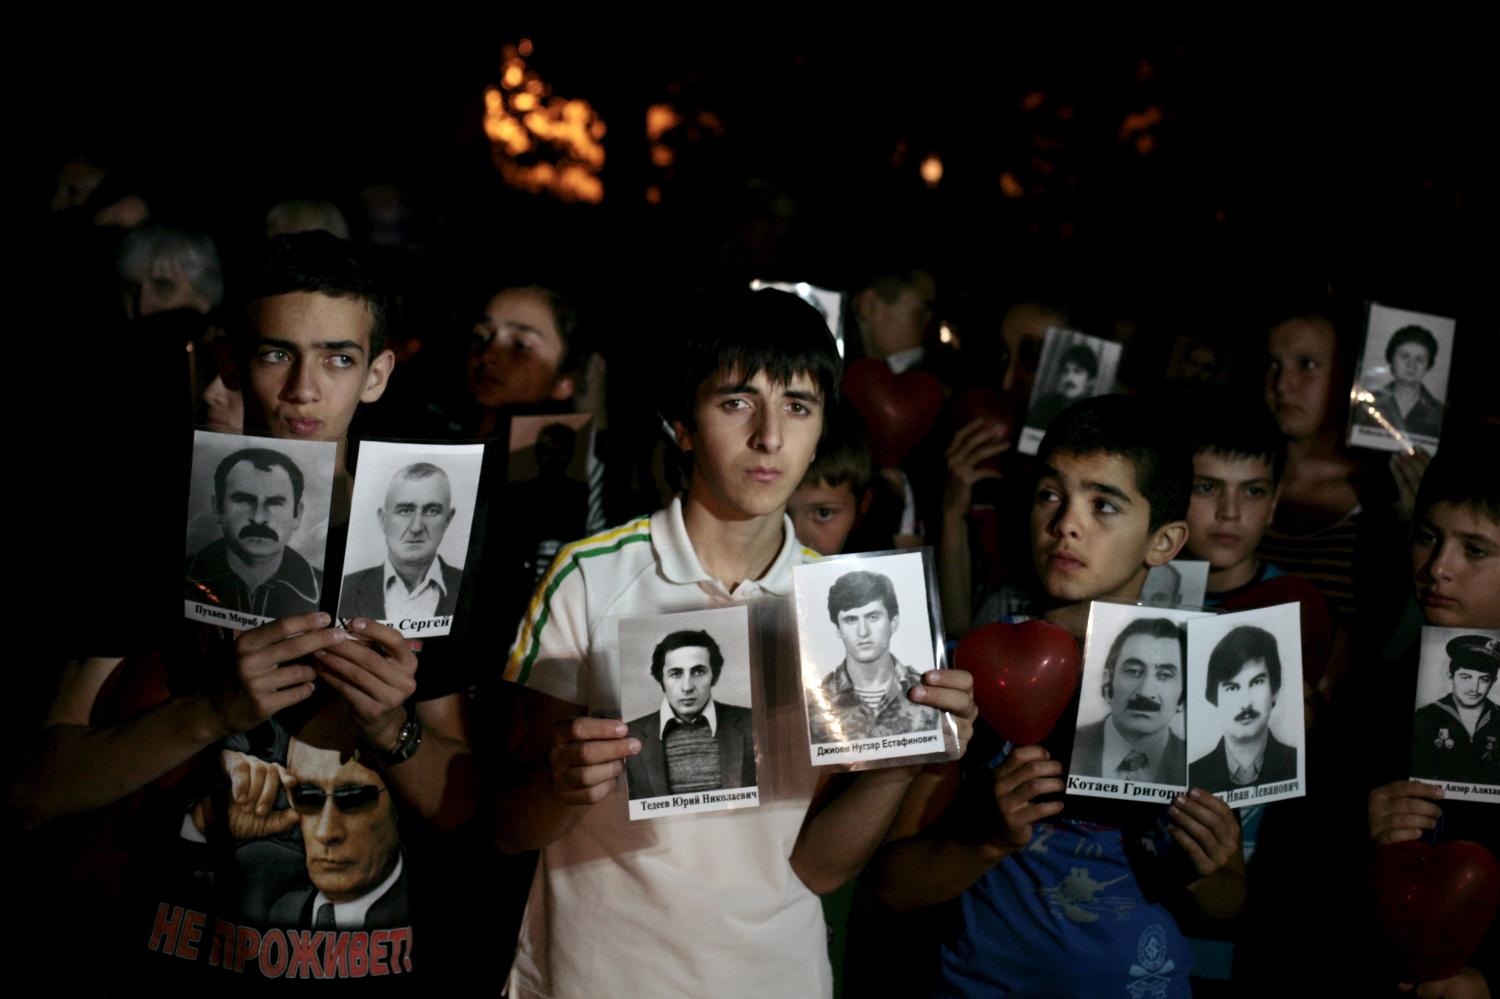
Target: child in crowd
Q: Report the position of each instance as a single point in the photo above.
(1237, 468)
(720, 903)
(1455, 572)
(833, 498)
(1236, 481)
(1082, 903)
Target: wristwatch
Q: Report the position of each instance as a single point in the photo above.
(407, 741)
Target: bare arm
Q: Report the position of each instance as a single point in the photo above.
(933, 854)
(558, 764)
(376, 679)
(438, 781)
(850, 816)
(75, 765)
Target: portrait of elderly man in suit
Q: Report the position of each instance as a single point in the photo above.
(693, 742)
(413, 583)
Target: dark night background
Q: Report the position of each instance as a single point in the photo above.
(1168, 179)
(1160, 181)
(1282, 155)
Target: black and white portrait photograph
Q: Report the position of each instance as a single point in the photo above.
(1178, 583)
(1074, 366)
(1401, 387)
(257, 527)
(1130, 739)
(551, 458)
(1245, 705)
(866, 639)
(686, 694)
(409, 526)
(1456, 729)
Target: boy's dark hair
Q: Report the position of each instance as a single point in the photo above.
(687, 640)
(1235, 651)
(750, 332)
(1465, 473)
(890, 283)
(843, 454)
(1139, 433)
(316, 262)
(1240, 430)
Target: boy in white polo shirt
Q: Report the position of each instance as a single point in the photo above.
(723, 903)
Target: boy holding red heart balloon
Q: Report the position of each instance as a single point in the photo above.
(1455, 565)
(1082, 903)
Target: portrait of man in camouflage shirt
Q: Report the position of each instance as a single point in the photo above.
(866, 696)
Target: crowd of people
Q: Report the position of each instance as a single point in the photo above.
(319, 797)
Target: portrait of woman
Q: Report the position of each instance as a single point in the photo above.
(1405, 402)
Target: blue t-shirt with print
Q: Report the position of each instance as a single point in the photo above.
(1066, 917)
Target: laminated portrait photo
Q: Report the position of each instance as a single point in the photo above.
(257, 527)
(1245, 734)
(547, 475)
(868, 630)
(410, 522)
(1178, 583)
(1455, 737)
(1130, 741)
(1401, 387)
(1074, 366)
(686, 694)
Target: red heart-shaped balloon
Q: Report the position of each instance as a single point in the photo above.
(1024, 676)
(898, 410)
(1436, 903)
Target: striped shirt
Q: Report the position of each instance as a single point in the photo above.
(1324, 557)
(704, 904)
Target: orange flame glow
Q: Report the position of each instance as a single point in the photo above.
(541, 142)
(932, 170)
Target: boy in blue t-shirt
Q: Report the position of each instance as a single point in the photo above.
(1080, 903)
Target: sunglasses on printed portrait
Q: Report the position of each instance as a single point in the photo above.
(346, 798)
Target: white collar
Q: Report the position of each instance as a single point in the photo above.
(904, 360)
(351, 915)
(666, 714)
(434, 577)
(679, 562)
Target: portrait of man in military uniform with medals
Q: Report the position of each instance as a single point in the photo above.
(1456, 737)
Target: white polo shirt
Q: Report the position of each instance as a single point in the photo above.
(692, 905)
